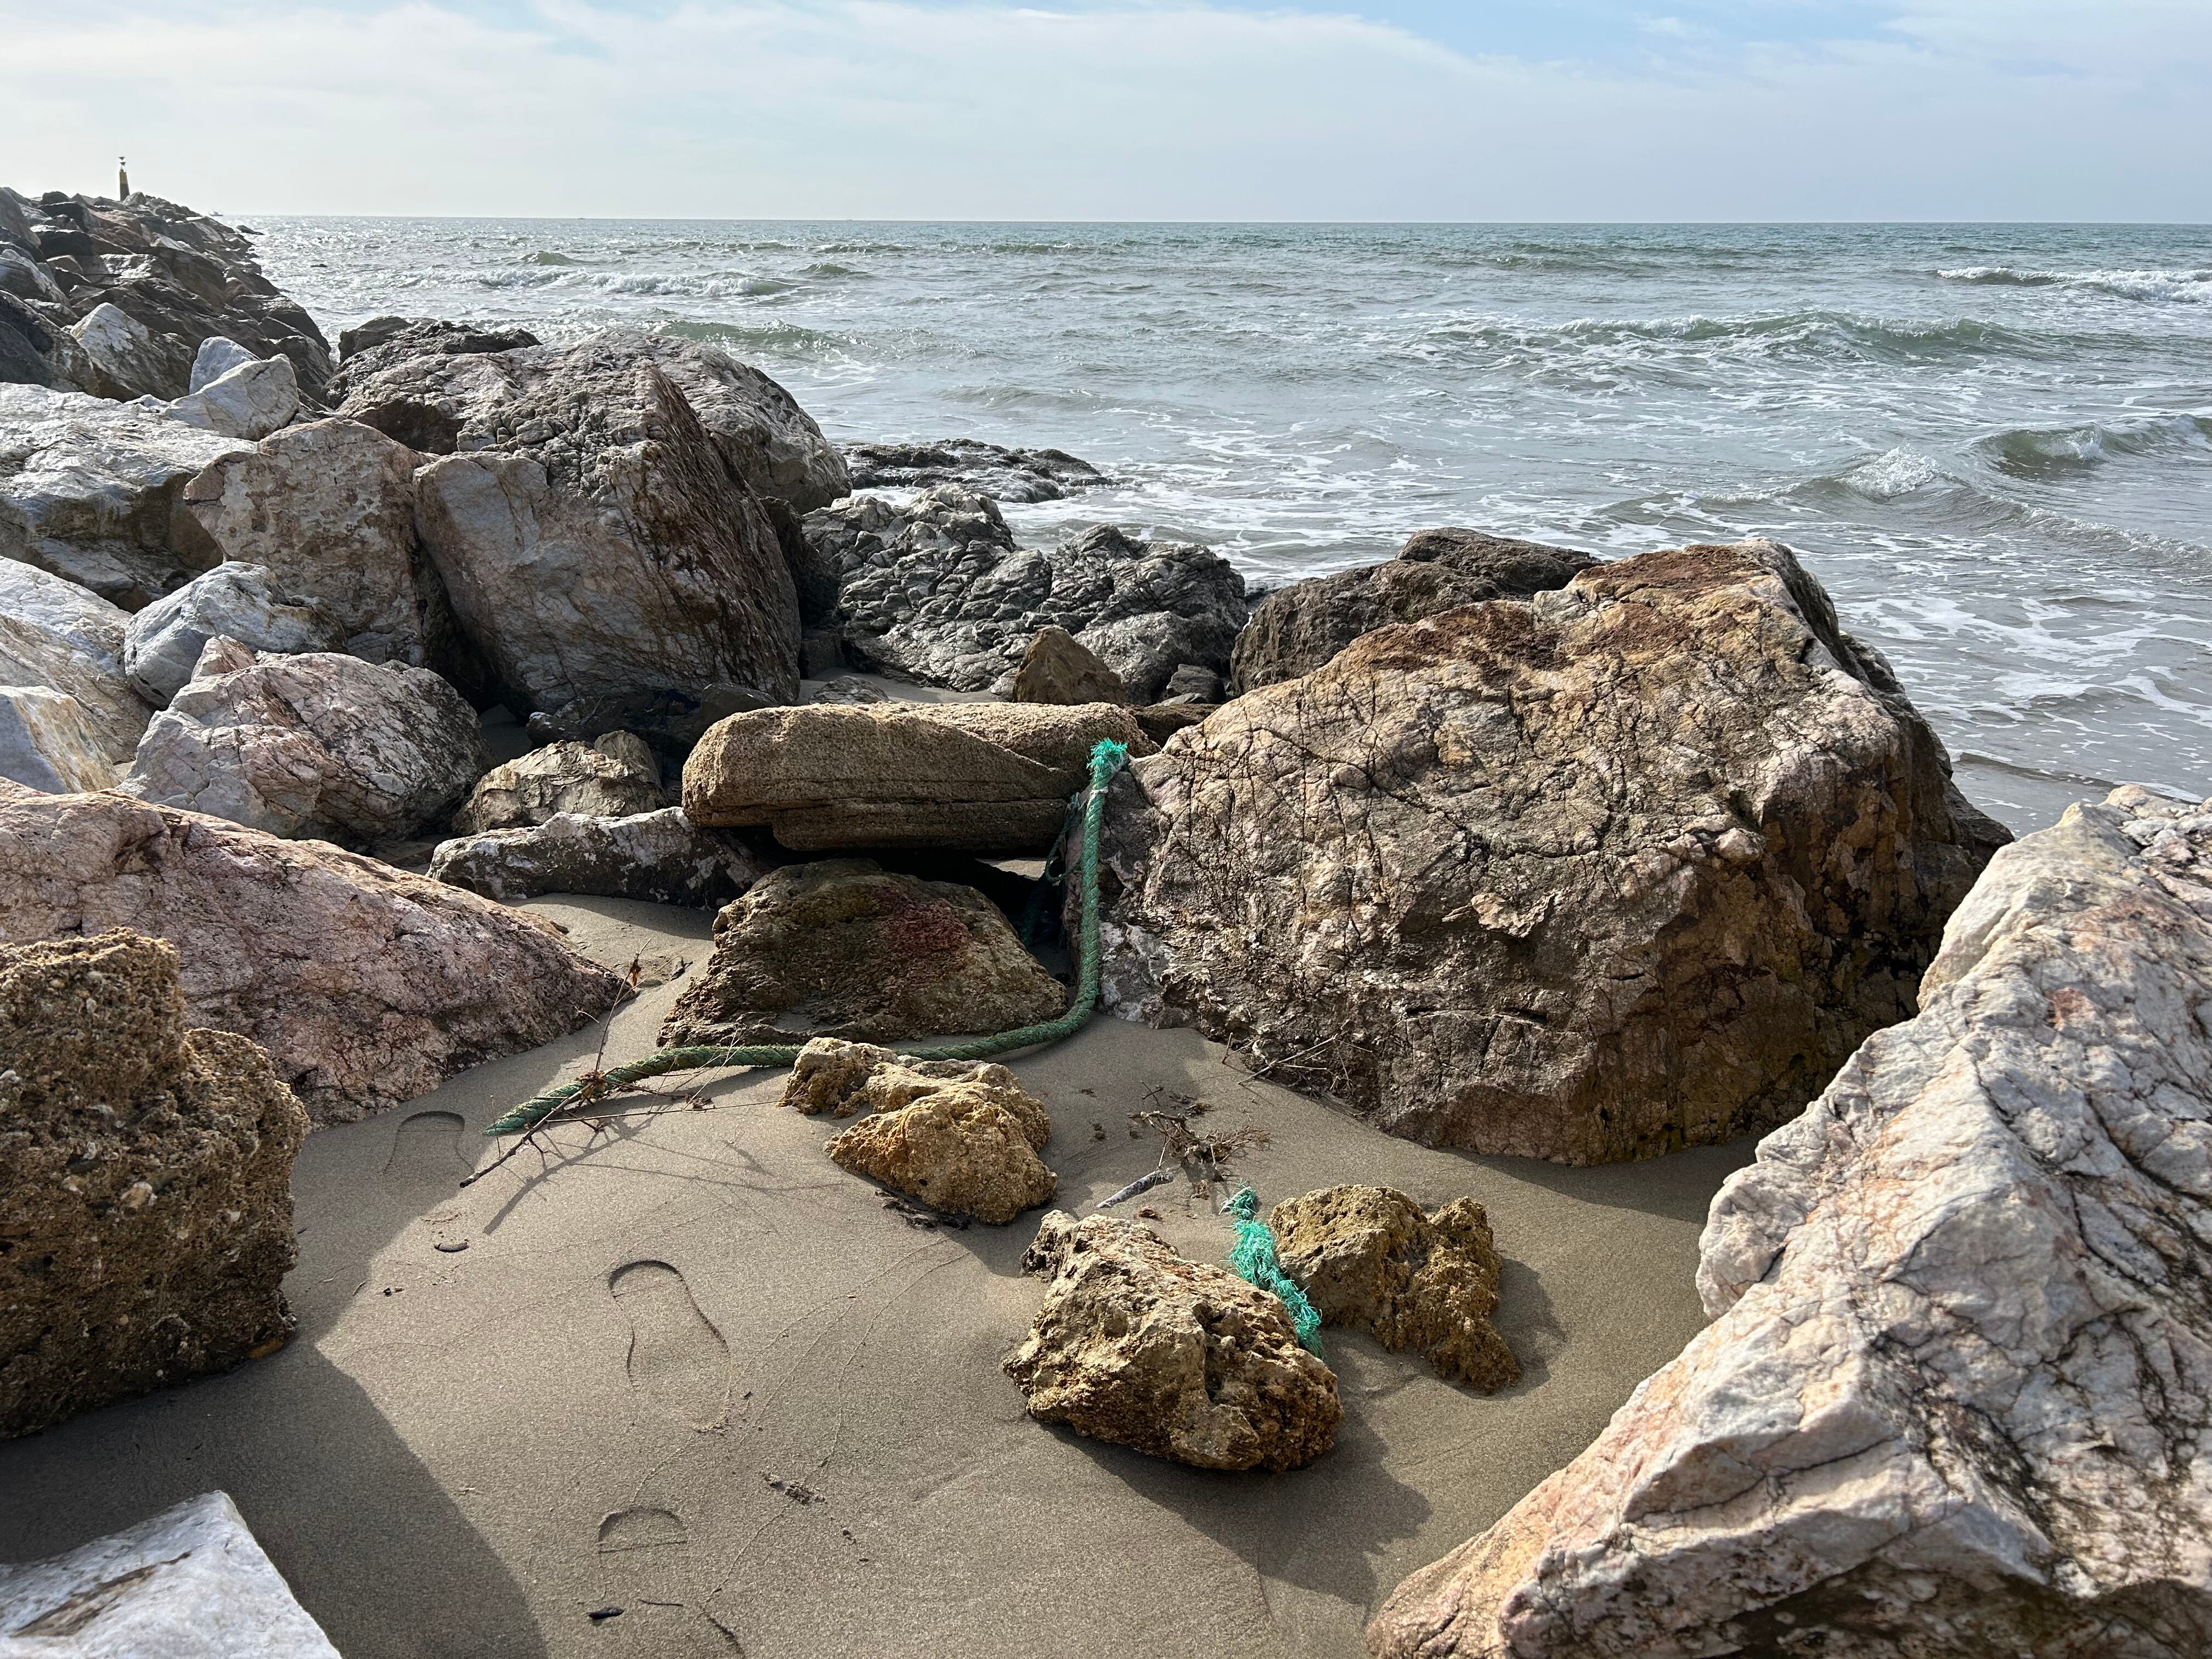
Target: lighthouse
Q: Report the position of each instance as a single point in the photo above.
(122, 178)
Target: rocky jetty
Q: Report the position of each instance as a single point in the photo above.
(1632, 866)
(1957, 1393)
(1021, 476)
(661, 858)
(367, 985)
(936, 592)
(844, 948)
(149, 1214)
(1140, 1347)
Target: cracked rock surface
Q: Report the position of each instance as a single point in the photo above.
(659, 857)
(841, 1079)
(958, 1147)
(1629, 867)
(1956, 1397)
(1005, 475)
(1182, 1360)
(148, 1224)
(613, 776)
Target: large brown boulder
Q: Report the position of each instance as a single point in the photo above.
(1956, 1398)
(1295, 630)
(843, 948)
(593, 540)
(1058, 669)
(1630, 867)
(367, 985)
(1370, 1258)
(1140, 1347)
(146, 1212)
(988, 778)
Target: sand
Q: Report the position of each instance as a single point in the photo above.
(691, 1370)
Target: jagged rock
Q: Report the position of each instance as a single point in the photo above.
(250, 401)
(1367, 1257)
(24, 277)
(843, 948)
(1630, 867)
(162, 643)
(1056, 669)
(327, 508)
(122, 355)
(1181, 1359)
(149, 1196)
(989, 778)
(367, 985)
(660, 857)
(379, 344)
(1956, 1397)
(190, 1584)
(592, 539)
(767, 438)
(1295, 630)
(316, 745)
(956, 1148)
(937, 592)
(91, 490)
(1194, 685)
(613, 776)
(216, 358)
(847, 690)
(1021, 476)
(839, 1078)
(1161, 720)
(67, 720)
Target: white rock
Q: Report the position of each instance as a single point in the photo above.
(25, 277)
(72, 722)
(90, 489)
(164, 641)
(250, 401)
(121, 353)
(1956, 1398)
(216, 358)
(317, 745)
(59, 607)
(48, 742)
(190, 1584)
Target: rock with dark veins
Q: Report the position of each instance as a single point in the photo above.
(1021, 476)
(1956, 1398)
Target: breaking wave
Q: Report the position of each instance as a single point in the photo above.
(2188, 286)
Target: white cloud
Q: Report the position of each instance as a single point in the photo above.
(885, 108)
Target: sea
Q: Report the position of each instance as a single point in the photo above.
(1992, 443)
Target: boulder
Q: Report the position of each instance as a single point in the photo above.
(1056, 669)
(1630, 867)
(1295, 630)
(613, 776)
(124, 358)
(383, 342)
(936, 592)
(317, 745)
(48, 742)
(367, 985)
(988, 778)
(1367, 1257)
(669, 721)
(1021, 476)
(91, 490)
(161, 645)
(841, 1079)
(327, 508)
(956, 1149)
(216, 358)
(1956, 1397)
(1180, 1360)
(1161, 720)
(250, 401)
(1194, 686)
(190, 1584)
(150, 1182)
(661, 858)
(589, 533)
(67, 720)
(843, 948)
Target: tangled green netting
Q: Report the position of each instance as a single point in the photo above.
(1106, 757)
(1252, 1255)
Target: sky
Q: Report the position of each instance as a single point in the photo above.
(1122, 109)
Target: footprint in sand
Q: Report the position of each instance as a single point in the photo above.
(426, 1148)
(676, 1359)
(645, 1561)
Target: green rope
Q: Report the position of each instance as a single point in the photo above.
(1107, 759)
(1252, 1255)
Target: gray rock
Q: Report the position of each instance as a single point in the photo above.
(315, 745)
(1005, 475)
(68, 719)
(1956, 1396)
(381, 341)
(125, 359)
(1295, 630)
(22, 275)
(91, 490)
(1193, 684)
(613, 776)
(937, 592)
(163, 643)
(216, 358)
(250, 401)
(1632, 866)
(661, 858)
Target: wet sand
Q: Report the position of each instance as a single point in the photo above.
(690, 1369)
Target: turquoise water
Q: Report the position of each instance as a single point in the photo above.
(1993, 443)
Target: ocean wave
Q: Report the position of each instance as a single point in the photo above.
(786, 338)
(2050, 452)
(547, 257)
(2188, 286)
(830, 270)
(1835, 336)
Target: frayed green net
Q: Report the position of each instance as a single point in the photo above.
(1252, 1255)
